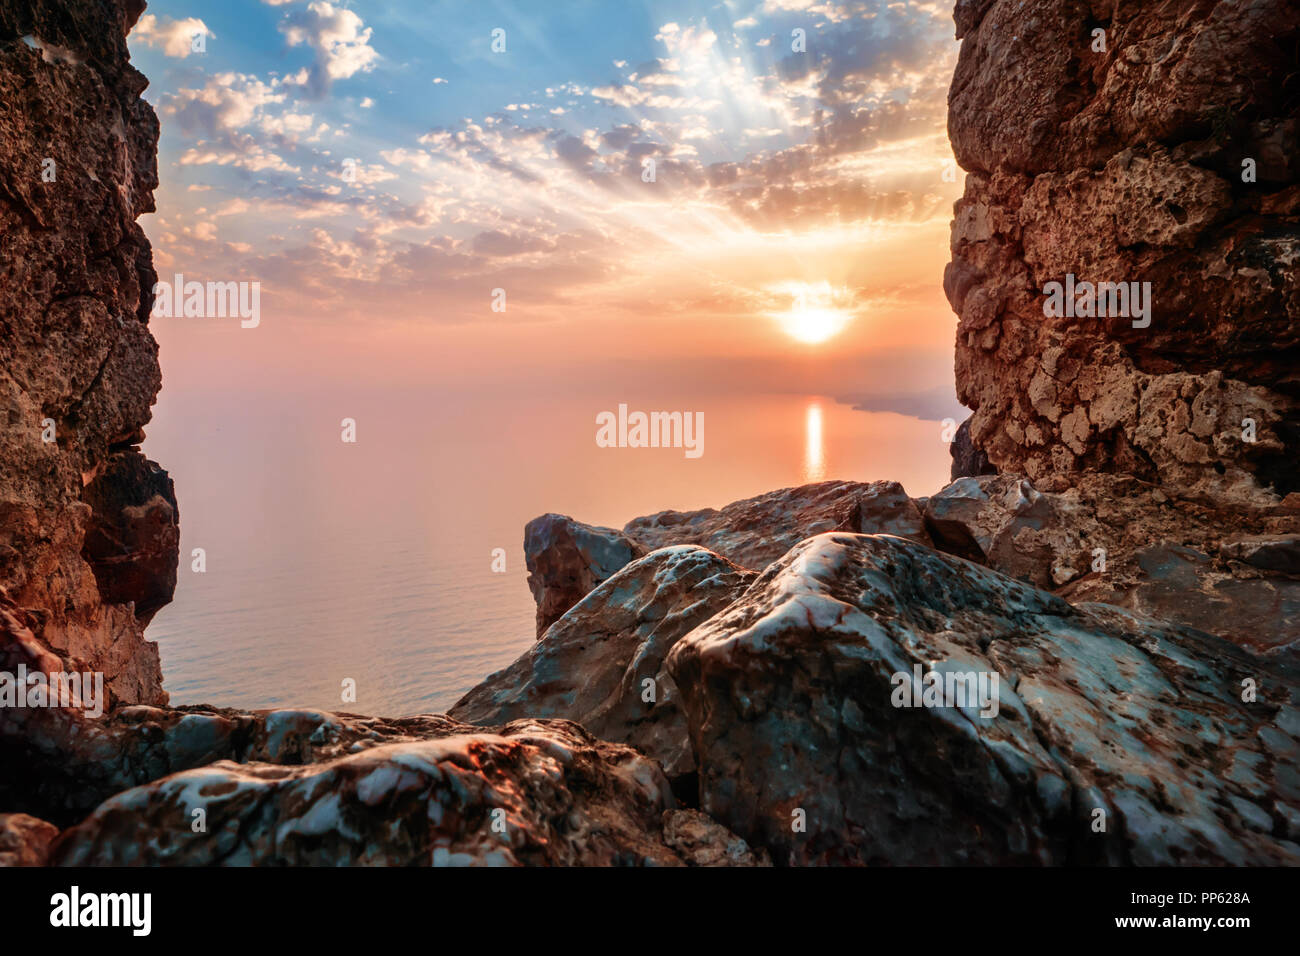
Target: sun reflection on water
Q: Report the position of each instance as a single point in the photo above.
(814, 454)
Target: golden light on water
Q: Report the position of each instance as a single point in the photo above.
(814, 452)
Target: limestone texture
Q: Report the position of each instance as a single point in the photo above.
(1170, 157)
(87, 526)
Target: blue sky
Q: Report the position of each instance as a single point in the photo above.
(380, 161)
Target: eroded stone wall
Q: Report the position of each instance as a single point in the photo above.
(88, 527)
(1118, 143)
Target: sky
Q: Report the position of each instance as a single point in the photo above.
(682, 192)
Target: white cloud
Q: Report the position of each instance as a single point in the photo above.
(174, 37)
(339, 39)
(251, 157)
(227, 101)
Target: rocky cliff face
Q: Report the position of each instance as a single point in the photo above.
(1064, 703)
(1150, 142)
(88, 540)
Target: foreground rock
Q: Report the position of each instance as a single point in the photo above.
(701, 841)
(25, 840)
(754, 532)
(78, 365)
(601, 664)
(1103, 717)
(306, 787)
(567, 559)
(528, 793)
(1171, 157)
(1225, 567)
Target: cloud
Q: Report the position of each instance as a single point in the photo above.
(689, 41)
(754, 150)
(246, 155)
(337, 37)
(174, 37)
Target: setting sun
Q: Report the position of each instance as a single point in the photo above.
(813, 325)
(817, 311)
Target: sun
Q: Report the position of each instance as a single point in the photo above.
(816, 313)
(811, 325)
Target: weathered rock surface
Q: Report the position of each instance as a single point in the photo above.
(754, 532)
(25, 840)
(532, 792)
(593, 664)
(310, 787)
(567, 559)
(1114, 538)
(967, 460)
(789, 697)
(133, 540)
(1150, 467)
(1126, 165)
(78, 365)
(701, 841)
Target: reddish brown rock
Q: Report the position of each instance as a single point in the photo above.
(702, 841)
(754, 532)
(133, 542)
(1123, 541)
(967, 460)
(1126, 165)
(566, 559)
(25, 840)
(78, 365)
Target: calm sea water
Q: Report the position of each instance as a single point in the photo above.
(373, 561)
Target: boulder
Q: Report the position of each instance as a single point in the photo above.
(1065, 734)
(133, 541)
(566, 559)
(754, 532)
(1254, 610)
(25, 840)
(528, 793)
(601, 664)
(1123, 541)
(701, 841)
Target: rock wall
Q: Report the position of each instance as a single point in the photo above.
(88, 527)
(1150, 142)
